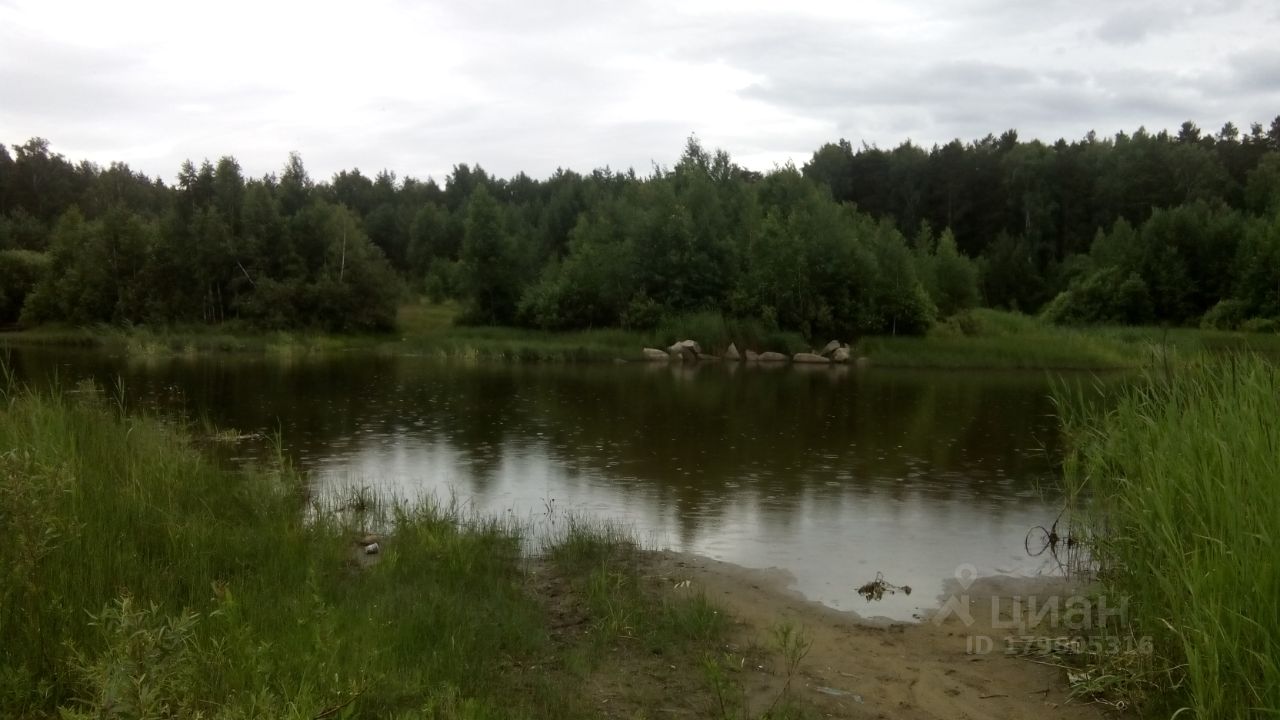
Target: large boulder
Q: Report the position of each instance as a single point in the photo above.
(840, 355)
(683, 353)
(691, 345)
(732, 354)
(811, 358)
(830, 348)
(751, 356)
(772, 357)
(655, 355)
(686, 350)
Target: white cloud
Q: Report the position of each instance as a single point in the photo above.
(417, 87)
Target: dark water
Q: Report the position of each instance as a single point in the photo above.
(830, 474)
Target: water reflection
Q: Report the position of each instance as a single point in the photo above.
(832, 474)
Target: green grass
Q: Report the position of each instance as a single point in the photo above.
(980, 338)
(604, 565)
(996, 339)
(190, 340)
(1048, 351)
(1190, 341)
(138, 579)
(429, 330)
(1179, 482)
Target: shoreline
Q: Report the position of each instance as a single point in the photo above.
(976, 339)
(863, 666)
(1041, 349)
(602, 618)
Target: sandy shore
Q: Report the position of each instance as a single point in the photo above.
(868, 668)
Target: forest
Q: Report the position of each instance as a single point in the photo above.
(1175, 228)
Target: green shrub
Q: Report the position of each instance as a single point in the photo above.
(1261, 325)
(1226, 315)
(642, 313)
(1108, 296)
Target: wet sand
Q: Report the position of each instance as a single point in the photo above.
(864, 667)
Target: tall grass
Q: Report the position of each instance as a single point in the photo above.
(1194, 341)
(140, 580)
(429, 330)
(1180, 481)
(146, 341)
(978, 338)
(258, 611)
(1050, 351)
(604, 563)
(715, 332)
(997, 339)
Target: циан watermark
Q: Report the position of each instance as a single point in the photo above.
(1038, 624)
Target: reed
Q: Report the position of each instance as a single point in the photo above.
(1179, 481)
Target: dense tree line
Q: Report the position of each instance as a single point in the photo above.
(1137, 228)
(113, 246)
(1194, 214)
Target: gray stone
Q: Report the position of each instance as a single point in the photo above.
(830, 348)
(691, 345)
(840, 355)
(809, 358)
(683, 354)
(655, 355)
(766, 357)
(732, 353)
(751, 356)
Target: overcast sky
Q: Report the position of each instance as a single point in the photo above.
(416, 87)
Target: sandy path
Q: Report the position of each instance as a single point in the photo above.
(864, 669)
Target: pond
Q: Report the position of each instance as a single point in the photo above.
(832, 474)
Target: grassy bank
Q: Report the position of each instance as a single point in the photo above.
(191, 340)
(426, 330)
(139, 580)
(996, 339)
(981, 339)
(1182, 477)
(430, 330)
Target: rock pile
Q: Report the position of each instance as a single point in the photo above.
(689, 351)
